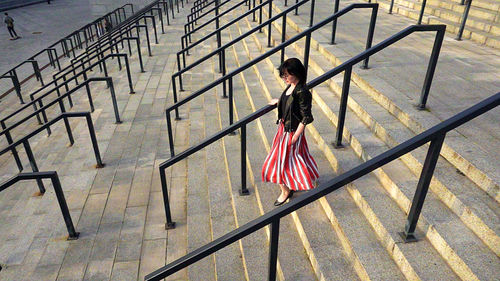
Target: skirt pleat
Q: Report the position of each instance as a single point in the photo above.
(290, 164)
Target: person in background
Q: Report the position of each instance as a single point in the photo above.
(10, 26)
(107, 25)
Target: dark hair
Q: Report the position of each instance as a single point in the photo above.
(6, 14)
(294, 67)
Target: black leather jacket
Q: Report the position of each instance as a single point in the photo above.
(297, 109)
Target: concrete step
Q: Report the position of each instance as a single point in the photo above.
(450, 10)
(481, 27)
(371, 142)
(416, 122)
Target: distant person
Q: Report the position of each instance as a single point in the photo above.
(107, 25)
(10, 26)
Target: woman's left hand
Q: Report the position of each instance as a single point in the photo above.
(298, 132)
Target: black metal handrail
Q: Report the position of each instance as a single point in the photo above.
(43, 108)
(84, 74)
(184, 39)
(52, 53)
(87, 59)
(306, 33)
(241, 124)
(221, 50)
(102, 63)
(195, 11)
(97, 43)
(434, 135)
(117, 30)
(52, 175)
(187, 34)
(345, 67)
(193, 19)
(63, 116)
(111, 40)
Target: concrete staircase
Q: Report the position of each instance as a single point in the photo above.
(351, 234)
(483, 22)
(457, 244)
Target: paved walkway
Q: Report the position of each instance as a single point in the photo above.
(53, 21)
(116, 210)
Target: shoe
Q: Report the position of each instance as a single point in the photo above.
(278, 203)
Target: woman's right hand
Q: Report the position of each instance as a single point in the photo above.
(273, 101)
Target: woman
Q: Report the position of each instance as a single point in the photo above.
(289, 162)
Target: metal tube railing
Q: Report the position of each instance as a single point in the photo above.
(435, 135)
(345, 67)
(306, 33)
(63, 116)
(221, 49)
(464, 20)
(51, 57)
(184, 38)
(52, 175)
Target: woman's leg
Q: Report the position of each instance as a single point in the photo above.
(284, 192)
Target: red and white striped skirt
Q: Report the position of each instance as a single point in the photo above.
(290, 164)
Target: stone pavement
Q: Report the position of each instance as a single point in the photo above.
(53, 21)
(114, 208)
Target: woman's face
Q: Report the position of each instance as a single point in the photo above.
(289, 78)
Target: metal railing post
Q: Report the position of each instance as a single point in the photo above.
(422, 188)
(169, 223)
(391, 6)
(44, 116)
(14, 151)
(113, 100)
(269, 25)
(66, 123)
(260, 16)
(243, 144)
(464, 20)
(64, 207)
(253, 14)
(33, 165)
(170, 134)
(307, 49)
(343, 107)
(311, 17)
(273, 249)
(224, 95)
(369, 39)
(283, 38)
(334, 22)
(438, 41)
(296, 9)
(87, 88)
(17, 85)
(93, 138)
(129, 76)
(230, 101)
(421, 12)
